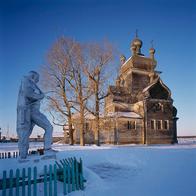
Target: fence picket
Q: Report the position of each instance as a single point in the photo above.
(4, 183)
(11, 183)
(68, 178)
(55, 181)
(50, 180)
(17, 181)
(77, 174)
(73, 176)
(81, 176)
(34, 181)
(23, 182)
(45, 180)
(29, 181)
(64, 179)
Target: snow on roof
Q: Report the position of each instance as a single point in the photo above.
(140, 55)
(124, 114)
(87, 115)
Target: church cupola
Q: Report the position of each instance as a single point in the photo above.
(136, 45)
(122, 59)
(152, 51)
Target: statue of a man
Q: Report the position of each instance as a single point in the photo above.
(28, 114)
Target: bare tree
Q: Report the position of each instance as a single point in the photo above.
(98, 57)
(77, 81)
(75, 73)
(65, 79)
(55, 74)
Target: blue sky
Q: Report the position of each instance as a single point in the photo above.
(28, 29)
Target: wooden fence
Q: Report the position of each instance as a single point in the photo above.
(7, 155)
(68, 172)
(15, 154)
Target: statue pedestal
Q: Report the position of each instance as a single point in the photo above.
(38, 158)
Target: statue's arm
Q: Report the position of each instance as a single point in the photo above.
(33, 95)
(29, 92)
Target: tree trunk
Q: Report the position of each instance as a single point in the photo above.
(82, 129)
(71, 139)
(96, 136)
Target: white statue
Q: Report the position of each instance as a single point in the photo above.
(28, 114)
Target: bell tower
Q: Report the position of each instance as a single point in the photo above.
(138, 71)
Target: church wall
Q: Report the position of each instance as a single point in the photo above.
(159, 111)
(129, 135)
(139, 82)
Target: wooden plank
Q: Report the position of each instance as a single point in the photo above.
(35, 181)
(73, 176)
(69, 178)
(45, 180)
(23, 182)
(29, 181)
(64, 179)
(64, 162)
(55, 180)
(77, 174)
(81, 176)
(59, 166)
(17, 181)
(11, 183)
(50, 180)
(4, 183)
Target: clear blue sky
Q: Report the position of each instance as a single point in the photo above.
(28, 28)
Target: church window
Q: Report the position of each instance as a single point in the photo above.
(131, 124)
(128, 125)
(152, 124)
(87, 126)
(159, 124)
(166, 124)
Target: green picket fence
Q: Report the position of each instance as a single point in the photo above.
(67, 171)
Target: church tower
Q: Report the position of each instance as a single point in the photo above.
(138, 71)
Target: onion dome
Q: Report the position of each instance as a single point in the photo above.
(136, 45)
(122, 59)
(152, 50)
(137, 42)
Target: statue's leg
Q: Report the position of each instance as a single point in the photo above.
(40, 120)
(23, 129)
(29, 133)
(23, 141)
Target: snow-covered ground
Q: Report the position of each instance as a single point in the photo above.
(128, 170)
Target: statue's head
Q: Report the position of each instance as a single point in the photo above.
(33, 75)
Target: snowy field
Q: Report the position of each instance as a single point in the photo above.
(128, 170)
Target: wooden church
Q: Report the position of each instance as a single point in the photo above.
(139, 108)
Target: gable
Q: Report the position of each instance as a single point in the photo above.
(158, 90)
